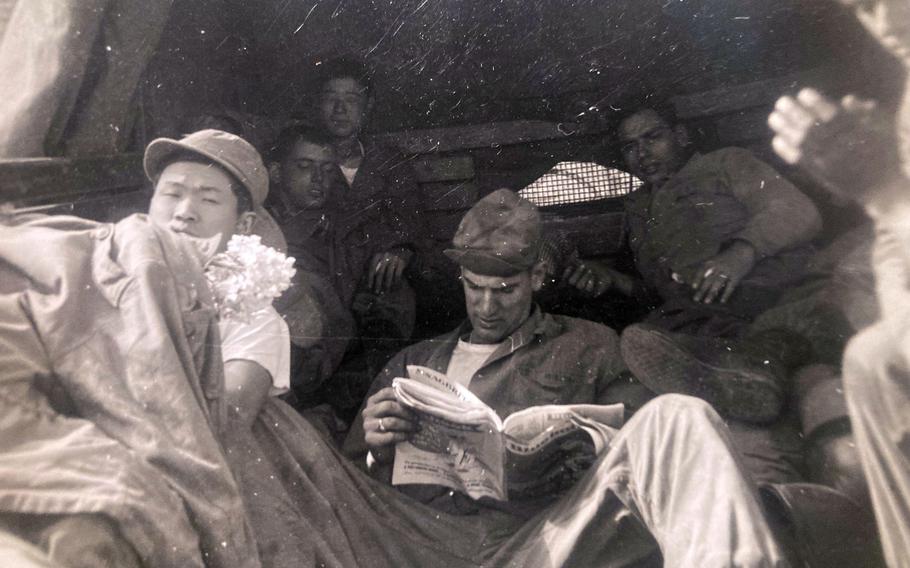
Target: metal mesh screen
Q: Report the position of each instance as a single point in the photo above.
(577, 182)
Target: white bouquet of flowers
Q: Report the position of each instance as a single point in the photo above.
(247, 277)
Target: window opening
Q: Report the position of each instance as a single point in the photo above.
(578, 182)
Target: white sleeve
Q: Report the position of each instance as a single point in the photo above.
(264, 340)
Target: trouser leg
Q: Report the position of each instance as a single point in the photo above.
(18, 552)
(75, 541)
(674, 468)
(771, 453)
(877, 385)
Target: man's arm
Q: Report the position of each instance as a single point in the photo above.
(594, 277)
(320, 328)
(246, 388)
(779, 217)
(366, 435)
(385, 422)
(405, 228)
(719, 276)
(256, 357)
(387, 268)
(850, 147)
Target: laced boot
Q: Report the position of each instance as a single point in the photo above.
(742, 379)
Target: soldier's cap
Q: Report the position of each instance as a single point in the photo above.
(498, 236)
(229, 151)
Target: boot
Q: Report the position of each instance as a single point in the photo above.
(830, 455)
(742, 379)
(820, 526)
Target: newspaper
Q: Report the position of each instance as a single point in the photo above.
(463, 444)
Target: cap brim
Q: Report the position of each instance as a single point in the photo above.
(483, 263)
(160, 149)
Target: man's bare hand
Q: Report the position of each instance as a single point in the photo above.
(593, 278)
(718, 277)
(385, 423)
(849, 146)
(387, 268)
(590, 280)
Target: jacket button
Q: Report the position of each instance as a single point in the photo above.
(102, 232)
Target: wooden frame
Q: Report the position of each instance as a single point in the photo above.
(44, 180)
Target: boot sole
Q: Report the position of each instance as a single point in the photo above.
(664, 367)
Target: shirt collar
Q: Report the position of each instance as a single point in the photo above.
(538, 323)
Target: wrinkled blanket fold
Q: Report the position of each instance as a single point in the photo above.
(110, 394)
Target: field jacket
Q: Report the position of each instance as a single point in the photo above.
(714, 199)
(548, 360)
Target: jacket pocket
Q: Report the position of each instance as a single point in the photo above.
(549, 386)
(109, 277)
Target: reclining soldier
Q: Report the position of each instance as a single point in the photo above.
(716, 238)
(304, 169)
(338, 323)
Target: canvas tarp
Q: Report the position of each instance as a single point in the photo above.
(57, 53)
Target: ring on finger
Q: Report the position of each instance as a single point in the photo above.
(381, 426)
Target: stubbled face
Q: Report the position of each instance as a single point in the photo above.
(307, 174)
(652, 149)
(343, 104)
(498, 305)
(198, 200)
(888, 21)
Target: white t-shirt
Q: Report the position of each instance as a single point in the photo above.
(264, 340)
(467, 358)
(349, 174)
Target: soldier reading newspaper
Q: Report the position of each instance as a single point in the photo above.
(463, 444)
(669, 478)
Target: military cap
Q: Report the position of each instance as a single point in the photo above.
(235, 155)
(229, 151)
(499, 236)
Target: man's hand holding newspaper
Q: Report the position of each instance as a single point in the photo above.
(463, 444)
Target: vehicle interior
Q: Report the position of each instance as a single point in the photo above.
(478, 95)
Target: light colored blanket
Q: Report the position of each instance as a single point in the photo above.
(111, 388)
